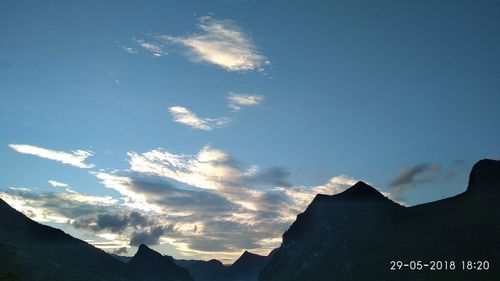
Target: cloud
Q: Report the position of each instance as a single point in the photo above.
(149, 237)
(243, 185)
(413, 176)
(303, 195)
(224, 235)
(208, 169)
(57, 206)
(234, 206)
(157, 50)
(57, 184)
(236, 101)
(184, 116)
(458, 167)
(120, 251)
(183, 202)
(129, 50)
(188, 208)
(114, 222)
(275, 176)
(76, 158)
(205, 204)
(223, 43)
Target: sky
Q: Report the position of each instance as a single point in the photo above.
(202, 128)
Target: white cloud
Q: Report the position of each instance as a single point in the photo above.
(57, 184)
(303, 195)
(59, 207)
(129, 50)
(184, 116)
(223, 43)
(236, 101)
(75, 158)
(157, 50)
(208, 191)
(213, 169)
(207, 169)
(263, 213)
(123, 185)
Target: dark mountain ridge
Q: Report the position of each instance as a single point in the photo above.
(155, 266)
(355, 235)
(246, 268)
(36, 252)
(202, 270)
(32, 251)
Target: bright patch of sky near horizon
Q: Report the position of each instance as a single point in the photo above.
(204, 127)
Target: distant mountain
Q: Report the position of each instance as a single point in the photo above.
(154, 266)
(35, 252)
(202, 270)
(246, 268)
(356, 234)
(123, 259)
(31, 251)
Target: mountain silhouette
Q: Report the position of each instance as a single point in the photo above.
(31, 251)
(360, 191)
(154, 266)
(35, 252)
(203, 270)
(354, 235)
(484, 177)
(246, 268)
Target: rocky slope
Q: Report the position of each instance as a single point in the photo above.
(356, 234)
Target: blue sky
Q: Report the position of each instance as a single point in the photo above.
(202, 128)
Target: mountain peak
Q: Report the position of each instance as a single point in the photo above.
(246, 254)
(362, 191)
(143, 247)
(154, 266)
(248, 258)
(485, 176)
(146, 252)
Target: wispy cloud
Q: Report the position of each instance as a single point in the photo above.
(413, 176)
(112, 221)
(184, 116)
(74, 158)
(129, 50)
(236, 101)
(114, 225)
(206, 204)
(223, 43)
(59, 207)
(156, 49)
(208, 169)
(57, 184)
(148, 237)
(234, 206)
(303, 195)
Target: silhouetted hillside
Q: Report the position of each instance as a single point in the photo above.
(31, 251)
(202, 270)
(246, 268)
(35, 252)
(355, 235)
(154, 266)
